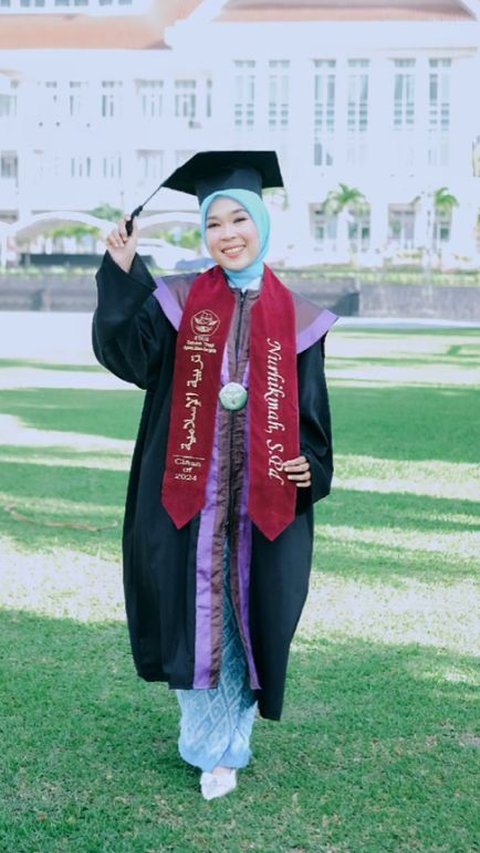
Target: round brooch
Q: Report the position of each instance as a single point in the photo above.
(233, 396)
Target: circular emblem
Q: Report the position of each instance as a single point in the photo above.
(233, 396)
(205, 322)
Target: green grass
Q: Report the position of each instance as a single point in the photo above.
(379, 747)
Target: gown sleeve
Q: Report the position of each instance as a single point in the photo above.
(315, 425)
(129, 328)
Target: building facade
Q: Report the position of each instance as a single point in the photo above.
(372, 108)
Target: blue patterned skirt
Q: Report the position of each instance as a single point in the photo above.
(216, 724)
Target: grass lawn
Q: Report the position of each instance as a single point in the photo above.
(379, 748)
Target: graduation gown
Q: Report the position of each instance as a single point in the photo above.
(173, 579)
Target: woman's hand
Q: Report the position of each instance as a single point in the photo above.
(298, 470)
(120, 246)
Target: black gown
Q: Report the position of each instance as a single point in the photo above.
(173, 578)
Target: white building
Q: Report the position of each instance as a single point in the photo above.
(100, 99)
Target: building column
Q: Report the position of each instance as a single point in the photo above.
(299, 168)
(380, 113)
(420, 129)
(378, 227)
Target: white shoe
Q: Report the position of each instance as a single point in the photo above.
(215, 785)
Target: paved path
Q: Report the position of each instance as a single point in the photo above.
(51, 339)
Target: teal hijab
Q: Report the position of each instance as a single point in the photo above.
(255, 207)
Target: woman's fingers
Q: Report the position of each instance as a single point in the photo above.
(118, 236)
(298, 470)
(122, 246)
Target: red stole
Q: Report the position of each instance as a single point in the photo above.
(273, 401)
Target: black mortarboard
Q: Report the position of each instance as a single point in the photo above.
(211, 171)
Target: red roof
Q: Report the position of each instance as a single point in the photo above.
(249, 11)
(77, 31)
(146, 32)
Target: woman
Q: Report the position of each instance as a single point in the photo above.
(233, 449)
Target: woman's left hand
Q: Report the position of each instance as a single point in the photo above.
(298, 470)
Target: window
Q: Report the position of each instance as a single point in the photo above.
(324, 228)
(111, 98)
(324, 111)
(208, 99)
(401, 226)
(112, 167)
(278, 94)
(244, 94)
(47, 166)
(50, 93)
(404, 112)
(359, 230)
(442, 226)
(357, 117)
(8, 98)
(357, 110)
(151, 98)
(77, 96)
(150, 167)
(404, 94)
(46, 104)
(8, 165)
(80, 167)
(439, 103)
(186, 99)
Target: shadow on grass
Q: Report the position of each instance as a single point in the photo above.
(96, 497)
(407, 423)
(391, 423)
(364, 509)
(48, 493)
(378, 750)
(114, 414)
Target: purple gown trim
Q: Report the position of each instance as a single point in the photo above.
(167, 299)
(203, 603)
(244, 561)
(316, 330)
(168, 303)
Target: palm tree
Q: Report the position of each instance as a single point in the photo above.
(343, 203)
(344, 198)
(439, 204)
(444, 203)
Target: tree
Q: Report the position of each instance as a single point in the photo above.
(344, 198)
(345, 203)
(105, 211)
(438, 205)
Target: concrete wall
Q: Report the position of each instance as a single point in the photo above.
(435, 302)
(346, 297)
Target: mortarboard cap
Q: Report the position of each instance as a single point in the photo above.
(211, 171)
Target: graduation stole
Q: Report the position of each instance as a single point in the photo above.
(273, 401)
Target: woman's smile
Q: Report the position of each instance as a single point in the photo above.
(233, 251)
